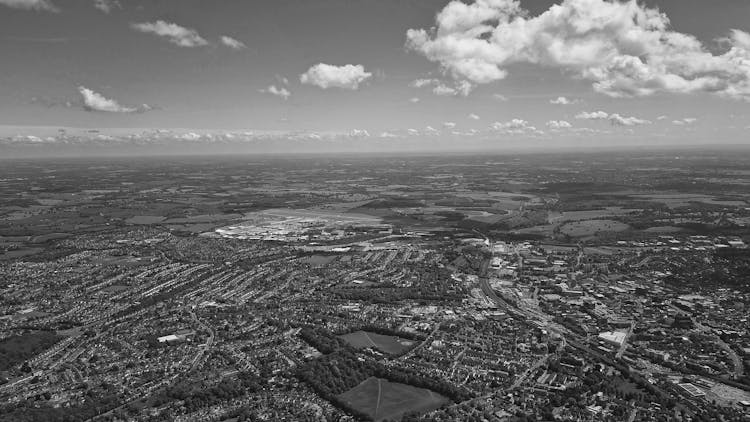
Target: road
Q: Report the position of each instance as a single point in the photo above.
(206, 346)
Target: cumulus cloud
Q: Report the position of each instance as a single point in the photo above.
(513, 124)
(592, 115)
(37, 5)
(176, 34)
(414, 100)
(563, 101)
(329, 76)
(559, 124)
(359, 133)
(232, 43)
(614, 118)
(388, 135)
(462, 88)
(685, 121)
(277, 91)
(516, 127)
(419, 83)
(107, 6)
(500, 97)
(623, 48)
(93, 101)
(449, 125)
(473, 116)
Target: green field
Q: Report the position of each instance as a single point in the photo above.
(386, 344)
(381, 399)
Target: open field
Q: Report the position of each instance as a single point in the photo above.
(592, 227)
(384, 400)
(386, 344)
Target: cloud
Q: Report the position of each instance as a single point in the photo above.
(592, 115)
(282, 79)
(36, 5)
(107, 6)
(232, 43)
(473, 116)
(614, 118)
(359, 133)
(176, 34)
(500, 97)
(419, 83)
(462, 88)
(563, 101)
(559, 124)
(662, 117)
(513, 124)
(93, 101)
(516, 127)
(414, 100)
(685, 121)
(449, 125)
(329, 76)
(387, 135)
(277, 91)
(624, 49)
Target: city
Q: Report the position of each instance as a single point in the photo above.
(488, 293)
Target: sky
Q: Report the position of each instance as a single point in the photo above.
(421, 73)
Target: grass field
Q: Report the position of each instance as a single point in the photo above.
(387, 344)
(592, 227)
(382, 400)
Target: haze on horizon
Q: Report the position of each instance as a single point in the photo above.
(100, 77)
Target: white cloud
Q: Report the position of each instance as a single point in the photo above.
(559, 124)
(37, 5)
(232, 43)
(359, 133)
(685, 121)
(623, 48)
(449, 125)
(563, 101)
(516, 127)
(282, 79)
(414, 100)
(412, 132)
(462, 88)
(618, 120)
(592, 115)
(473, 116)
(93, 101)
(614, 118)
(387, 135)
(419, 83)
(176, 34)
(277, 91)
(329, 76)
(662, 117)
(500, 97)
(107, 6)
(513, 124)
